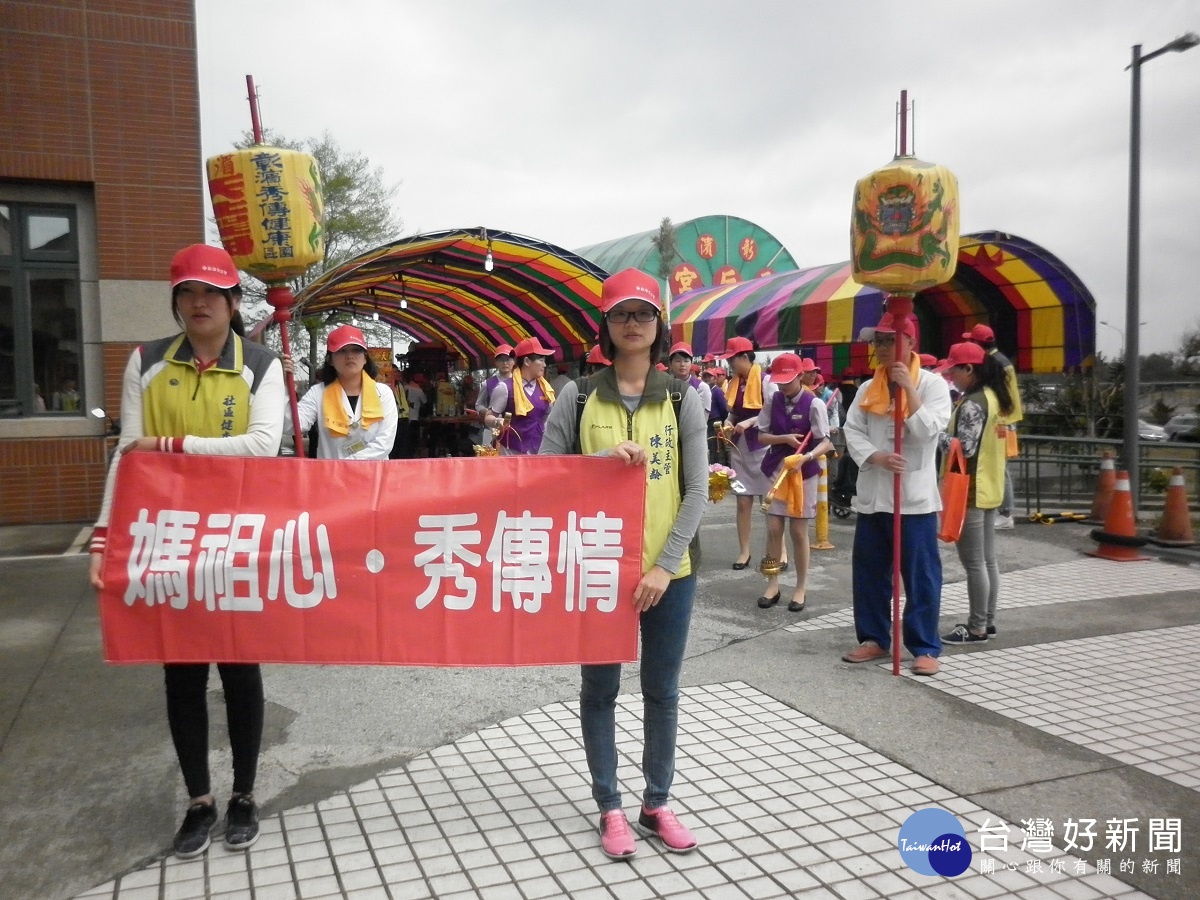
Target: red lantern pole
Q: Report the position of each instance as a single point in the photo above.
(280, 296)
(900, 306)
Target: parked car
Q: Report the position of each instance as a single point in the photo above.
(1183, 427)
(1148, 431)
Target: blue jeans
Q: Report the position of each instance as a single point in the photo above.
(664, 636)
(920, 570)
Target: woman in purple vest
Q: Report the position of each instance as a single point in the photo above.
(503, 358)
(747, 393)
(793, 419)
(527, 396)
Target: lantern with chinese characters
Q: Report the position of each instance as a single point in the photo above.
(270, 214)
(269, 210)
(904, 228)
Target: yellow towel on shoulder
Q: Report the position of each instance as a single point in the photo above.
(754, 392)
(334, 412)
(877, 397)
(521, 402)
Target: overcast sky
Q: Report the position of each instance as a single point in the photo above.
(576, 122)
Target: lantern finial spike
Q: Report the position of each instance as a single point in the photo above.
(255, 122)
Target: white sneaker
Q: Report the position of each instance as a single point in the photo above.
(1004, 523)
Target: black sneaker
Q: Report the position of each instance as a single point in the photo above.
(962, 635)
(241, 823)
(991, 631)
(193, 837)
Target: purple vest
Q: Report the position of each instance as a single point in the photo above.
(783, 422)
(525, 432)
(739, 412)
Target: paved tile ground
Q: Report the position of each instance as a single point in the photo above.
(783, 807)
(1086, 578)
(1081, 691)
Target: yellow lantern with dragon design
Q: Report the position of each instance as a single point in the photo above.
(904, 228)
(269, 210)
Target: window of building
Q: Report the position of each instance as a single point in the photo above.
(41, 326)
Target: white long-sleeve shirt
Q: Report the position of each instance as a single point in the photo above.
(866, 433)
(374, 442)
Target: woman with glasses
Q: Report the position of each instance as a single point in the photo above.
(629, 408)
(526, 397)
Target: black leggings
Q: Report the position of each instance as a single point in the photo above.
(187, 714)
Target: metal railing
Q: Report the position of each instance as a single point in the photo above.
(1053, 471)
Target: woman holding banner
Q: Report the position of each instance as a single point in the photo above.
(357, 414)
(631, 399)
(207, 391)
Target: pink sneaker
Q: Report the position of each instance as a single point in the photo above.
(616, 840)
(662, 824)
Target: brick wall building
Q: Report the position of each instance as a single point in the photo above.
(100, 183)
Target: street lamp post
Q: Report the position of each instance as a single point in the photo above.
(1132, 312)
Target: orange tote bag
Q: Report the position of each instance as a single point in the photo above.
(955, 485)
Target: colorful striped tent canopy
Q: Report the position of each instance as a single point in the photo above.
(1043, 316)
(434, 287)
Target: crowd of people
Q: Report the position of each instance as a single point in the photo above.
(775, 426)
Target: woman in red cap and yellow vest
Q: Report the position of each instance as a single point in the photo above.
(204, 391)
(978, 423)
(630, 409)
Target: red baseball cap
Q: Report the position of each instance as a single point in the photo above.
(715, 372)
(736, 345)
(344, 336)
(597, 358)
(660, 366)
(809, 365)
(961, 355)
(928, 360)
(531, 347)
(786, 368)
(681, 347)
(629, 284)
(202, 262)
(888, 325)
(503, 350)
(981, 333)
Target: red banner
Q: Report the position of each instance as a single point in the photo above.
(440, 562)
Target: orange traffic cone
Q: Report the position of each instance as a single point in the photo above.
(1119, 539)
(1175, 529)
(1104, 489)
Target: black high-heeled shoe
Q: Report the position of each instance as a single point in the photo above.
(738, 566)
(767, 602)
(783, 567)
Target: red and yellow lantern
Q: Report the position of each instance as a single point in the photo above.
(269, 210)
(904, 227)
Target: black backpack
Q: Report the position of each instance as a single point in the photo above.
(585, 387)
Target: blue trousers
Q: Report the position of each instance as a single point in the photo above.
(664, 636)
(920, 570)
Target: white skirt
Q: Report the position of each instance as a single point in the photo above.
(748, 464)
